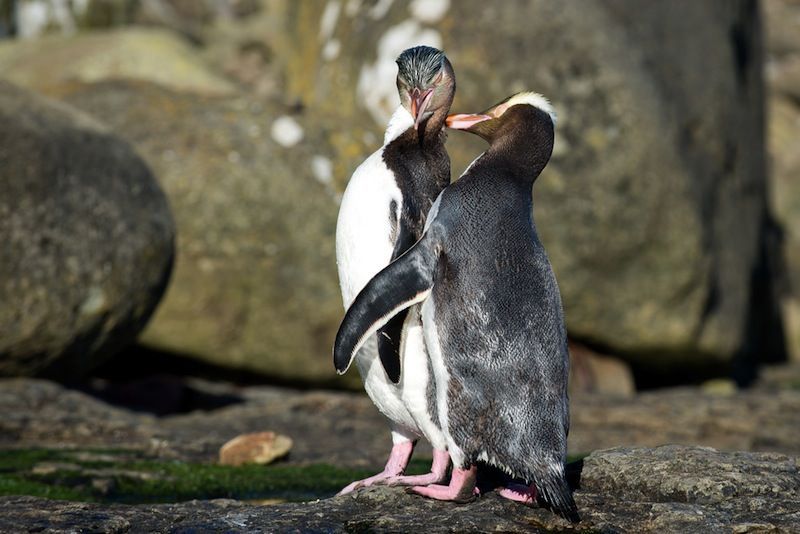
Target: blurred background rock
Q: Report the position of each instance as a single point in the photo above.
(656, 208)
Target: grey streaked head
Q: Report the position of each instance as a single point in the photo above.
(425, 81)
(419, 66)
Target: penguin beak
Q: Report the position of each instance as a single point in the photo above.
(465, 121)
(419, 105)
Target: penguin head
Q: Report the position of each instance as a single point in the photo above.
(522, 126)
(517, 111)
(426, 82)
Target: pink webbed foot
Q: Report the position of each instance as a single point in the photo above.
(395, 465)
(461, 488)
(519, 493)
(438, 473)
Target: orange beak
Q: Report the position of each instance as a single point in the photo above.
(419, 104)
(465, 121)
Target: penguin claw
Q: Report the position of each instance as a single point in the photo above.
(461, 488)
(395, 465)
(444, 493)
(519, 493)
(416, 480)
(437, 474)
(376, 480)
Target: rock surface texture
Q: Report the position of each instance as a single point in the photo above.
(669, 489)
(86, 239)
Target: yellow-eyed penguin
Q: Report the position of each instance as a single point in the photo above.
(382, 214)
(491, 313)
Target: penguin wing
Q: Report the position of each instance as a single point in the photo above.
(404, 282)
(390, 334)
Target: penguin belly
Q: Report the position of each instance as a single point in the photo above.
(417, 385)
(441, 378)
(365, 233)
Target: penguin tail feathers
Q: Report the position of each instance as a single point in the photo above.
(556, 494)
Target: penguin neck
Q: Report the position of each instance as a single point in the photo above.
(431, 130)
(523, 155)
(428, 133)
(420, 165)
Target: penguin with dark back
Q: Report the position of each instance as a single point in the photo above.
(382, 214)
(491, 313)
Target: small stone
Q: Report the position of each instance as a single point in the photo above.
(256, 448)
(591, 372)
(720, 387)
(49, 468)
(104, 486)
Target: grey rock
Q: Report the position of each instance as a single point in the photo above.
(132, 53)
(621, 490)
(86, 239)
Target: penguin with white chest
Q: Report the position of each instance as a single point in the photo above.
(491, 313)
(382, 214)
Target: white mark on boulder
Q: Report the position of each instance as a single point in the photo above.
(327, 23)
(35, 17)
(380, 9)
(379, 97)
(286, 131)
(322, 168)
(352, 7)
(429, 11)
(32, 18)
(330, 50)
(94, 303)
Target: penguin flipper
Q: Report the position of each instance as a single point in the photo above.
(390, 335)
(404, 282)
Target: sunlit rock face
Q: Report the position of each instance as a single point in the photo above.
(653, 207)
(782, 20)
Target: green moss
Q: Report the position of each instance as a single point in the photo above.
(102, 475)
(123, 476)
(574, 457)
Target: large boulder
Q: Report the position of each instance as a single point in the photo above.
(86, 239)
(135, 53)
(783, 82)
(653, 208)
(255, 284)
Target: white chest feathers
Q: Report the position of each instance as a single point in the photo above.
(369, 211)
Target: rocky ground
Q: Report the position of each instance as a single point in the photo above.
(642, 487)
(667, 489)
